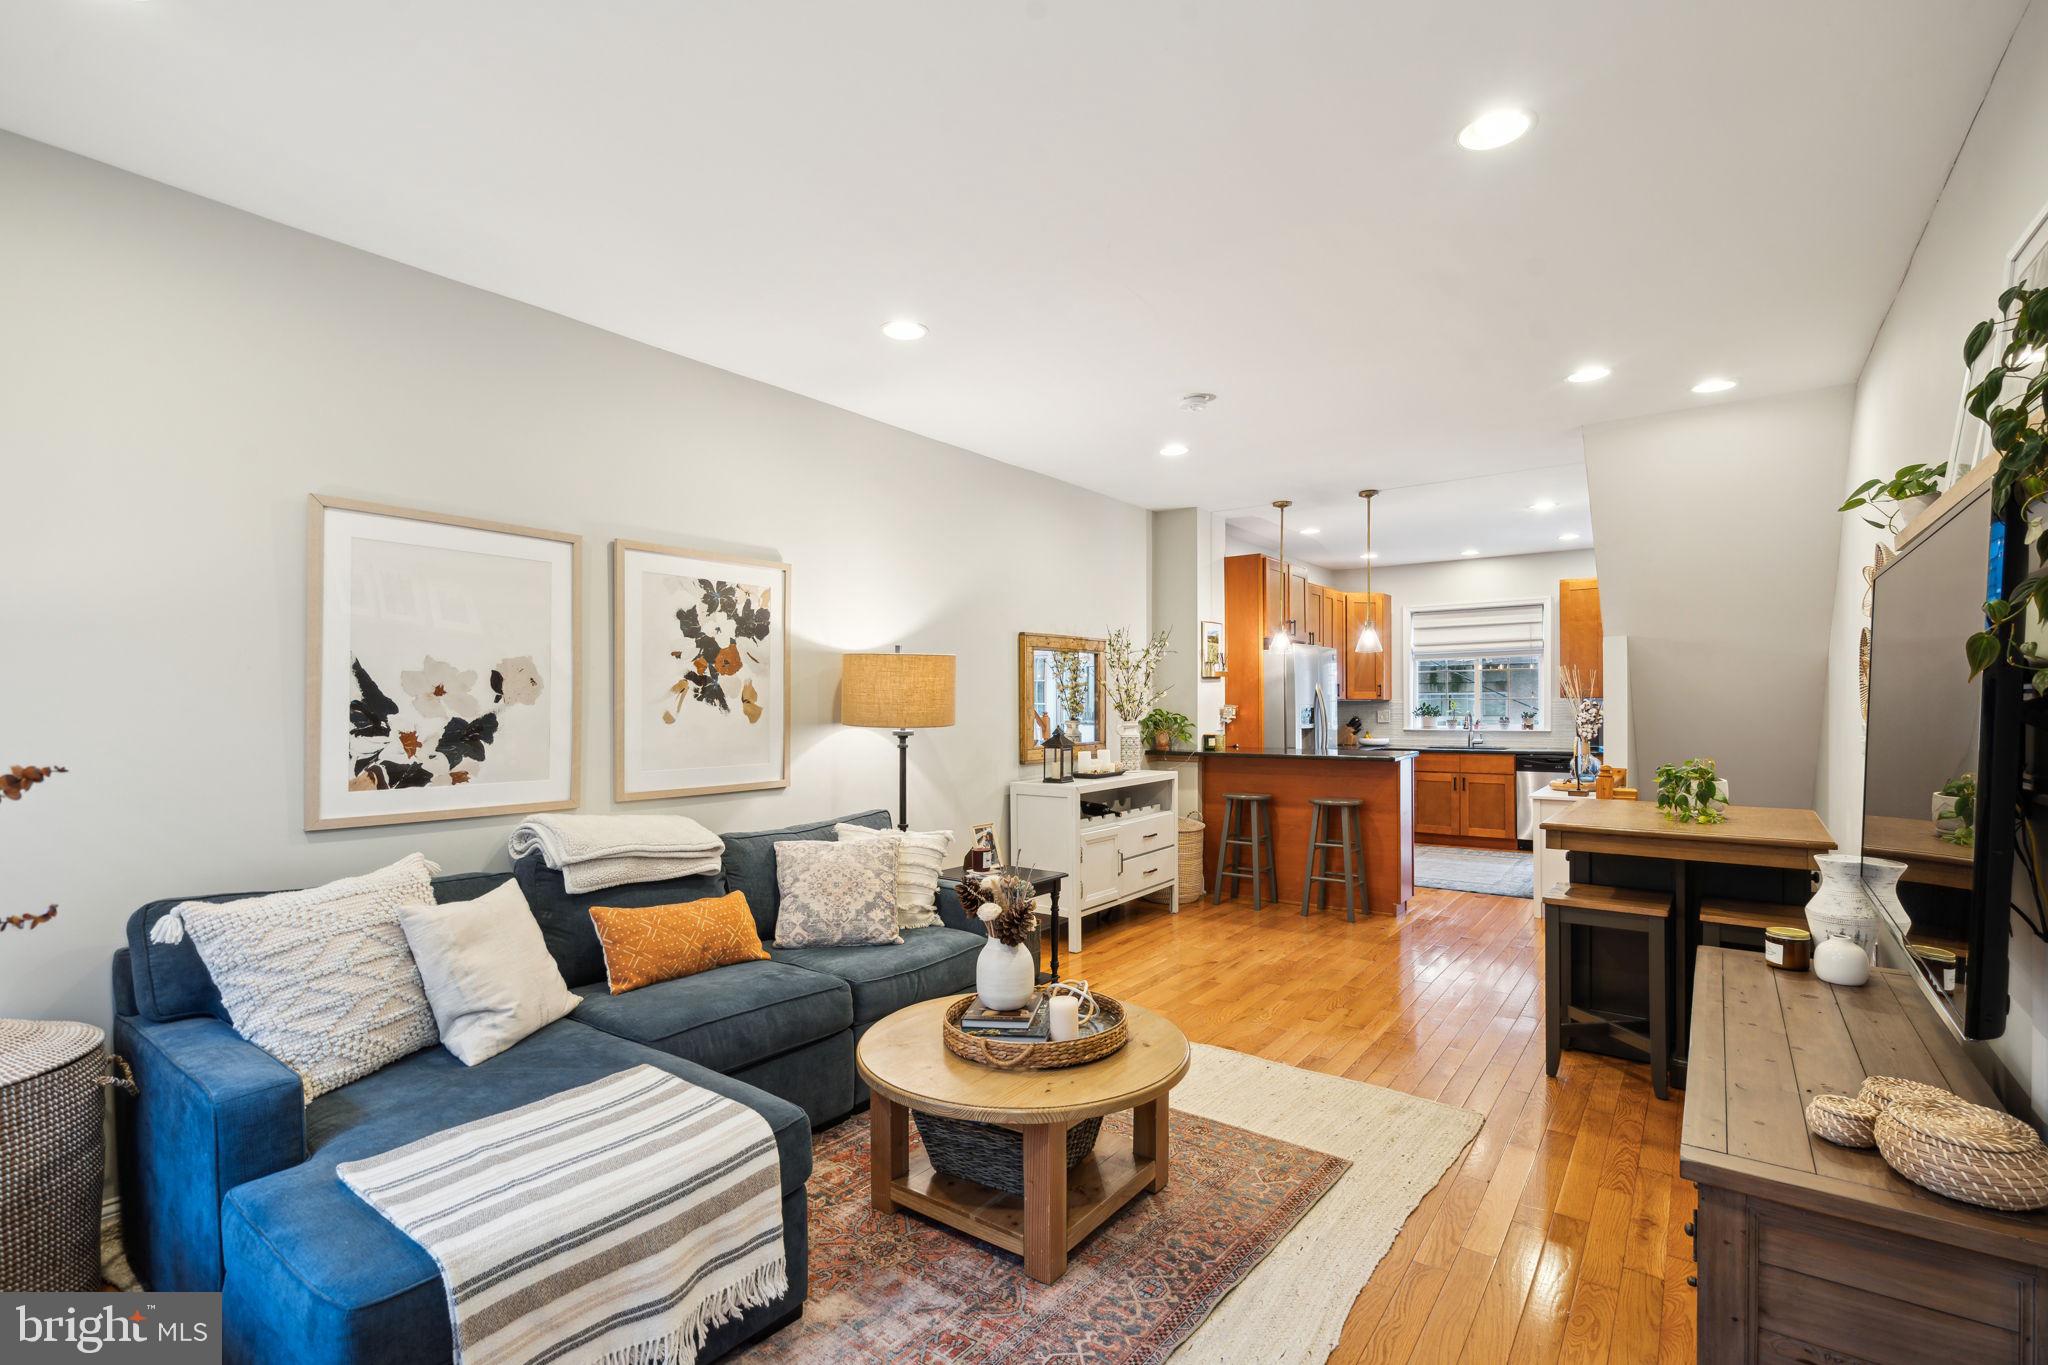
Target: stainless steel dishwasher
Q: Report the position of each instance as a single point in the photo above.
(1533, 771)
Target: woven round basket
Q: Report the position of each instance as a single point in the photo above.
(50, 1160)
(1844, 1121)
(1966, 1152)
(990, 1156)
(1191, 884)
(1091, 1047)
(1882, 1092)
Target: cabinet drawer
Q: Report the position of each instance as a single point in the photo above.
(1436, 763)
(1146, 870)
(1145, 834)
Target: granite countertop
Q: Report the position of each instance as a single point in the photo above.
(1384, 754)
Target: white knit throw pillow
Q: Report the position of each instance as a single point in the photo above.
(320, 979)
(919, 856)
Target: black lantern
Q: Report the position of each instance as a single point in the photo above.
(1059, 757)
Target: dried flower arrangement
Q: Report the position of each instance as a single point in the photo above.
(1004, 903)
(1072, 684)
(1127, 672)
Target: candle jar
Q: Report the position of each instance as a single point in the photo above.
(1065, 1018)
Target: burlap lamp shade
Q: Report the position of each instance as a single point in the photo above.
(900, 692)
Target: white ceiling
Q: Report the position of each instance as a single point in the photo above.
(1096, 208)
(1495, 514)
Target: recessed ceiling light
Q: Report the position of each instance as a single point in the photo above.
(1173, 450)
(1569, 535)
(1543, 505)
(1588, 374)
(1311, 530)
(1494, 128)
(1370, 554)
(1715, 385)
(1468, 553)
(904, 329)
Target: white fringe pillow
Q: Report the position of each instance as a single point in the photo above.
(919, 856)
(321, 979)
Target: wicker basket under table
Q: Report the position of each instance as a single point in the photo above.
(51, 1161)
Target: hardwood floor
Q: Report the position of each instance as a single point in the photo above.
(1559, 1235)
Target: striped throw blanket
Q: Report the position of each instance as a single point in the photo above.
(614, 1223)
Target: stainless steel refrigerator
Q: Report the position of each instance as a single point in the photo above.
(1301, 699)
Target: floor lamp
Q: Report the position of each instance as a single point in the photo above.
(899, 692)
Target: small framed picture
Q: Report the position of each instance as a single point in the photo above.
(1212, 649)
(984, 854)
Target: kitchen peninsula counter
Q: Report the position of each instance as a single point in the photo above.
(1381, 779)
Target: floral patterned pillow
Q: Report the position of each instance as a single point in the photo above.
(835, 895)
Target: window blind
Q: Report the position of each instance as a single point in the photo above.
(1503, 628)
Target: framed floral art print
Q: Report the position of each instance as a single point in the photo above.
(442, 667)
(700, 673)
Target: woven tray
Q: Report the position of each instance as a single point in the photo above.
(1092, 1047)
(1843, 1121)
(1966, 1152)
(1881, 1092)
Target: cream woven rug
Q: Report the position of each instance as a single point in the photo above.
(1293, 1304)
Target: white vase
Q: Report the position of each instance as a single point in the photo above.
(1005, 975)
(1881, 880)
(1841, 908)
(1839, 962)
(1130, 746)
(1944, 810)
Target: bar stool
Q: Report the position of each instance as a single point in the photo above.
(1648, 913)
(1240, 808)
(1316, 877)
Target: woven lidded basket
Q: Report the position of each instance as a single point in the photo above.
(1191, 883)
(51, 1160)
(1881, 1092)
(1843, 1121)
(1966, 1152)
(1089, 1047)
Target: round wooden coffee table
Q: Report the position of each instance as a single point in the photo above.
(904, 1060)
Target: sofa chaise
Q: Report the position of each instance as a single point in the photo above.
(227, 1176)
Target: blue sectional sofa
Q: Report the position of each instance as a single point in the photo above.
(227, 1177)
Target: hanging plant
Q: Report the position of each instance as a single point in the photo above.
(2019, 433)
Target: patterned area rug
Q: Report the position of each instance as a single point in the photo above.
(1488, 871)
(895, 1287)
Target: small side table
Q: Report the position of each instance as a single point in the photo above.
(1044, 882)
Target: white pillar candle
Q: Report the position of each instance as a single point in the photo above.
(1066, 1018)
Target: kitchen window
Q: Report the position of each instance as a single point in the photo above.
(1487, 659)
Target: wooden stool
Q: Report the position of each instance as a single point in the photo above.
(1717, 916)
(1316, 877)
(1606, 907)
(1253, 806)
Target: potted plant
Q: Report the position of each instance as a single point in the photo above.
(1955, 810)
(1691, 792)
(2019, 433)
(1427, 713)
(1166, 728)
(1528, 720)
(1898, 499)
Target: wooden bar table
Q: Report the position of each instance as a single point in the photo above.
(1383, 780)
(1759, 853)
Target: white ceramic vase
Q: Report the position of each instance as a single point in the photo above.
(1130, 746)
(1841, 908)
(1944, 810)
(1881, 880)
(1839, 962)
(1005, 975)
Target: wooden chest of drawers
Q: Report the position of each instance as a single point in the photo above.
(1812, 1252)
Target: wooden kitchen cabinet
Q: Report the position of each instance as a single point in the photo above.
(1465, 799)
(1313, 625)
(1275, 579)
(1297, 604)
(1365, 675)
(1581, 642)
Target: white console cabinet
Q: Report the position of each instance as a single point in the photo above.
(1109, 859)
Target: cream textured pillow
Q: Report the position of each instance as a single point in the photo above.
(487, 971)
(919, 856)
(835, 895)
(320, 979)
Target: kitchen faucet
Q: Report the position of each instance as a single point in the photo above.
(1473, 740)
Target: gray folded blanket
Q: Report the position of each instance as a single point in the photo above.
(593, 852)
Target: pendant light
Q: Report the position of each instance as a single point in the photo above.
(1369, 638)
(1284, 636)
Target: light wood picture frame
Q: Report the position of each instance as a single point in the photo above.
(1212, 662)
(1030, 647)
(701, 679)
(444, 667)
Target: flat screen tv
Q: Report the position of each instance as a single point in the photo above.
(1934, 735)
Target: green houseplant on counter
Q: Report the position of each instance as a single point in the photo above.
(1898, 498)
(1166, 728)
(1427, 713)
(1955, 811)
(1691, 793)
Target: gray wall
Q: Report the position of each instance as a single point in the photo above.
(1718, 535)
(1906, 406)
(176, 377)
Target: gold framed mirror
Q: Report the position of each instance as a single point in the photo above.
(1038, 693)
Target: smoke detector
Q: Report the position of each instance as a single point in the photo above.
(1196, 402)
